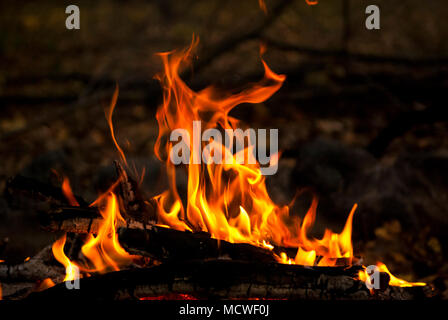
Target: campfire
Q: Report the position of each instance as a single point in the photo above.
(223, 237)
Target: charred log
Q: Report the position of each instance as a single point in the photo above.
(41, 266)
(133, 200)
(157, 242)
(222, 279)
(82, 220)
(165, 244)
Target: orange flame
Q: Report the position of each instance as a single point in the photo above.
(58, 252)
(263, 7)
(45, 284)
(68, 193)
(103, 251)
(394, 281)
(216, 203)
(108, 112)
(311, 3)
(230, 200)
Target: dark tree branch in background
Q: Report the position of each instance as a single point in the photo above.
(357, 57)
(346, 25)
(234, 38)
(241, 34)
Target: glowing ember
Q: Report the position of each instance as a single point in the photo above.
(173, 296)
(45, 284)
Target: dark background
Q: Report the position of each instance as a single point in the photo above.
(361, 116)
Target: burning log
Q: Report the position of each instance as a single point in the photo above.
(136, 235)
(165, 244)
(191, 263)
(157, 242)
(83, 220)
(223, 279)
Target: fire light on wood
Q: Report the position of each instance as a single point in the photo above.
(227, 214)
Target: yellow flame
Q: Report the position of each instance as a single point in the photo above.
(230, 200)
(394, 281)
(103, 250)
(58, 252)
(306, 258)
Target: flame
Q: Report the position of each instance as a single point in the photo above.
(263, 7)
(230, 200)
(1, 292)
(108, 113)
(394, 281)
(311, 3)
(219, 195)
(103, 250)
(58, 252)
(68, 193)
(306, 258)
(45, 284)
